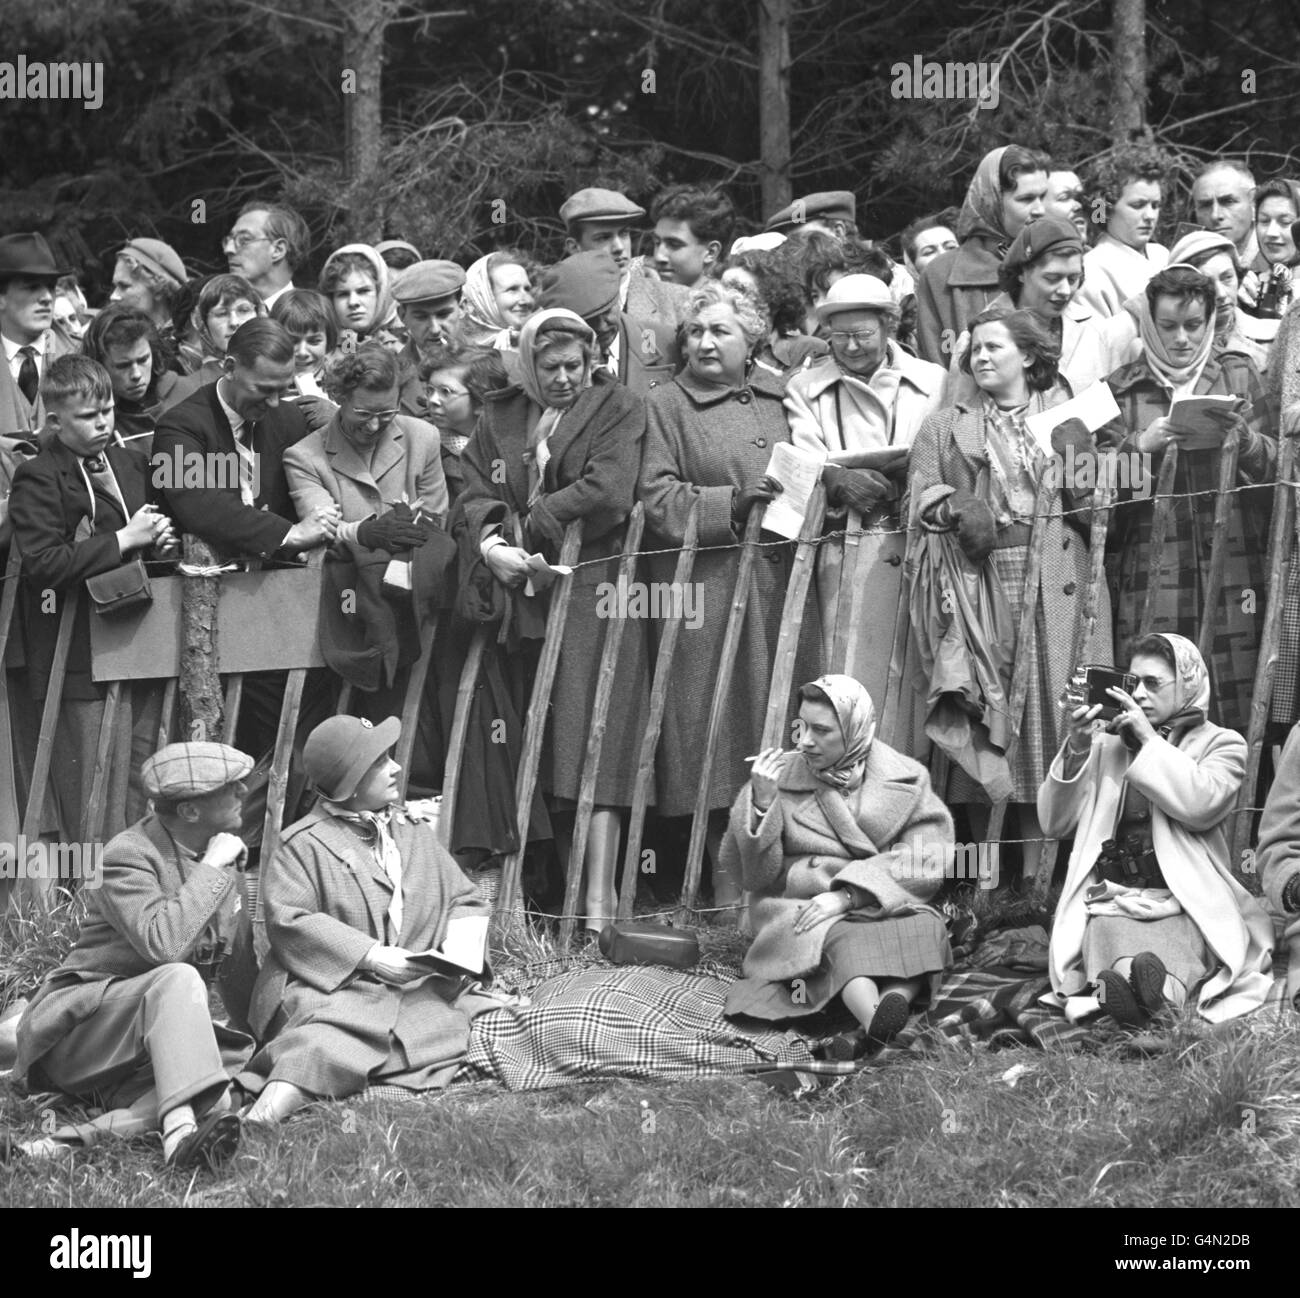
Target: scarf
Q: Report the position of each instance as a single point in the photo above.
(1179, 380)
(856, 714)
(1205, 244)
(387, 856)
(543, 419)
(482, 321)
(385, 307)
(981, 212)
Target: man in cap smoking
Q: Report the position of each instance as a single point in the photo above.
(427, 294)
(124, 1021)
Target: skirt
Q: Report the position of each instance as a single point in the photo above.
(908, 946)
(1175, 939)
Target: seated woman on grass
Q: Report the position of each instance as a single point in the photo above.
(841, 843)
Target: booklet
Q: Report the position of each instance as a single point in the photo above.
(463, 950)
(797, 471)
(1202, 422)
(1095, 406)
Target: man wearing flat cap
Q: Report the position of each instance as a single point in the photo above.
(832, 212)
(123, 1023)
(358, 891)
(427, 294)
(603, 220)
(641, 354)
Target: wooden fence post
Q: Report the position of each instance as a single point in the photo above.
(200, 686)
(459, 729)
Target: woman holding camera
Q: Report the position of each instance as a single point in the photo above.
(1150, 913)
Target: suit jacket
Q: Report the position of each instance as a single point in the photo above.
(152, 908)
(48, 501)
(17, 414)
(198, 427)
(324, 468)
(647, 353)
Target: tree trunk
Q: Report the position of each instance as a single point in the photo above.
(363, 73)
(774, 102)
(1128, 98)
(200, 684)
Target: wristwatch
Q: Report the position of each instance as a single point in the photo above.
(1291, 894)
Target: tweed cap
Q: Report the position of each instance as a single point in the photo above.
(829, 205)
(341, 750)
(191, 770)
(1038, 238)
(598, 205)
(159, 257)
(588, 284)
(426, 281)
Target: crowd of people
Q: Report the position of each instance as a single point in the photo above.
(451, 424)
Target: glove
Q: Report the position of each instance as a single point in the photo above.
(542, 529)
(857, 488)
(977, 529)
(392, 531)
(317, 411)
(762, 492)
(1073, 433)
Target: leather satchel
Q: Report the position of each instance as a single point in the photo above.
(120, 588)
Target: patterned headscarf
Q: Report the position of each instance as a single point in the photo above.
(981, 212)
(1179, 379)
(482, 320)
(1191, 683)
(856, 714)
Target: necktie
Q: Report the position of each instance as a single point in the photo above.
(244, 448)
(103, 483)
(29, 378)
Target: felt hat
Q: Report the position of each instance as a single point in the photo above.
(586, 284)
(828, 205)
(856, 293)
(159, 257)
(598, 205)
(426, 281)
(341, 750)
(193, 769)
(27, 254)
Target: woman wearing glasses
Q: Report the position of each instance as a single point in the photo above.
(1151, 915)
(860, 406)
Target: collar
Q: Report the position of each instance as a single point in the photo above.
(823, 373)
(270, 301)
(709, 394)
(233, 417)
(12, 348)
(1138, 373)
(975, 263)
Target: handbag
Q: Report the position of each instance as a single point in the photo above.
(120, 588)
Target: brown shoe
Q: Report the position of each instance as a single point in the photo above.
(212, 1143)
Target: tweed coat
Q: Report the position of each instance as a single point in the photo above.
(1191, 531)
(647, 353)
(888, 410)
(652, 298)
(595, 452)
(702, 443)
(1278, 854)
(153, 908)
(892, 838)
(952, 290)
(325, 468)
(17, 414)
(48, 501)
(326, 1026)
(1192, 787)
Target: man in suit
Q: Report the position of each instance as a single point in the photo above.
(125, 1018)
(218, 456)
(27, 278)
(642, 353)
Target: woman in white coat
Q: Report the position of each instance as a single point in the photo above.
(860, 406)
(1150, 912)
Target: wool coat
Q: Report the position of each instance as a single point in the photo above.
(703, 442)
(892, 838)
(50, 507)
(325, 1025)
(651, 298)
(198, 427)
(1192, 788)
(1191, 531)
(595, 452)
(886, 410)
(1278, 853)
(647, 353)
(952, 290)
(1113, 272)
(153, 907)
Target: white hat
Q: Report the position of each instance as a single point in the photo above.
(757, 242)
(856, 293)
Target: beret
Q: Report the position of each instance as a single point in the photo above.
(598, 205)
(341, 750)
(1047, 234)
(586, 284)
(159, 257)
(423, 281)
(830, 205)
(191, 770)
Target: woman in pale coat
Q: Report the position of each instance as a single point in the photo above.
(860, 406)
(1162, 781)
(842, 843)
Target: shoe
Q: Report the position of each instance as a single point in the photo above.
(845, 1047)
(1118, 1000)
(1147, 978)
(890, 1018)
(212, 1143)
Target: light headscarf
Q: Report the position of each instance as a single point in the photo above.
(856, 714)
(385, 307)
(981, 212)
(1180, 380)
(483, 323)
(1191, 683)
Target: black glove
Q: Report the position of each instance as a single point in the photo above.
(392, 531)
(976, 528)
(858, 488)
(542, 528)
(762, 492)
(317, 411)
(1072, 433)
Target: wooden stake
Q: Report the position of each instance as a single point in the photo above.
(200, 683)
(234, 697)
(9, 823)
(459, 729)
(1218, 552)
(1159, 527)
(95, 810)
(848, 598)
(413, 698)
(168, 712)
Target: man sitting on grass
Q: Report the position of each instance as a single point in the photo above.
(124, 1022)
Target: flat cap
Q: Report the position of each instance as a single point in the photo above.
(830, 205)
(598, 205)
(588, 284)
(1038, 238)
(159, 257)
(424, 281)
(191, 770)
(341, 750)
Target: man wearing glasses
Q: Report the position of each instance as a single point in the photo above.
(267, 244)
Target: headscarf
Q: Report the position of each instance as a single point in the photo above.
(201, 347)
(1191, 684)
(856, 714)
(385, 307)
(1180, 380)
(981, 212)
(1206, 244)
(483, 323)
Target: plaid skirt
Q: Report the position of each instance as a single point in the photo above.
(907, 946)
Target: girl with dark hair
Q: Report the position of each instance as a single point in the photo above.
(126, 343)
(309, 320)
(772, 280)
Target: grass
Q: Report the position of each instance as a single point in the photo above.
(1214, 1120)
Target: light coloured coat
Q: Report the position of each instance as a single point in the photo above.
(1113, 272)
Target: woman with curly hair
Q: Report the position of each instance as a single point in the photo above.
(772, 280)
(1125, 192)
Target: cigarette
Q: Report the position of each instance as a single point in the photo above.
(753, 757)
